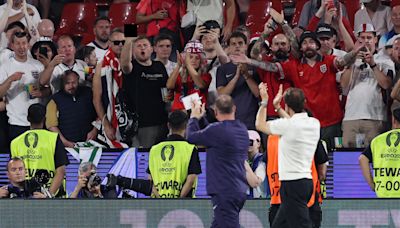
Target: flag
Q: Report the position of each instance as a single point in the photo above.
(125, 166)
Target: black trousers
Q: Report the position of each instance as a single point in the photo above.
(293, 210)
(315, 214)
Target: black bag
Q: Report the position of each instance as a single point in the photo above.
(128, 121)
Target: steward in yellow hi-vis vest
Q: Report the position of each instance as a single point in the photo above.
(43, 153)
(385, 151)
(384, 154)
(174, 164)
(169, 164)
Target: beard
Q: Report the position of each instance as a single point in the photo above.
(310, 53)
(281, 55)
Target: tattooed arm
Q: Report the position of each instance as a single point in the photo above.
(295, 49)
(280, 19)
(346, 60)
(267, 66)
(255, 52)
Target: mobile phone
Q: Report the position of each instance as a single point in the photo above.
(43, 51)
(130, 30)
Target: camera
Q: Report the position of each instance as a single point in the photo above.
(93, 179)
(36, 184)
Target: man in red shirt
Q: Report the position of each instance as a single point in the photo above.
(315, 75)
(280, 52)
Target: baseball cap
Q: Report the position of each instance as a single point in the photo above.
(253, 135)
(309, 34)
(325, 30)
(365, 28)
(211, 24)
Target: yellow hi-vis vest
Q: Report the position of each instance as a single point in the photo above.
(386, 163)
(169, 164)
(36, 148)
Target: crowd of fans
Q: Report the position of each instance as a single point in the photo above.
(119, 89)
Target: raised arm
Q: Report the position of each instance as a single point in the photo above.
(255, 52)
(4, 17)
(126, 56)
(261, 118)
(5, 86)
(30, 26)
(280, 19)
(230, 17)
(45, 75)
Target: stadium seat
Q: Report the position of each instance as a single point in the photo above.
(124, 13)
(256, 16)
(394, 3)
(99, 2)
(77, 19)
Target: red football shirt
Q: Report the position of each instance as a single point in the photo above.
(318, 83)
(273, 81)
(190, 89)
(149, 7)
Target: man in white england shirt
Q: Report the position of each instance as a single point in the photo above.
(19, 84)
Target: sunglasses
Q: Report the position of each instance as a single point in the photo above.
(20, 34)
(118, 42)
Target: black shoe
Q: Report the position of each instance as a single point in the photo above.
(111, 180)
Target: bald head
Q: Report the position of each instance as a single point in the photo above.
(280, 46)
(46, 28)
(224, 104)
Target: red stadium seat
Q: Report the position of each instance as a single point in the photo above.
(394, 3)
(99, 2)
(124, 13)
(256, 16)
(77, 19)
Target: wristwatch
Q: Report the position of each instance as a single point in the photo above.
(263, 103)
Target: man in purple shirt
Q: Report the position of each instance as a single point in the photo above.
(227, 142)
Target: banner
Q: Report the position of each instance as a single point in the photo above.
(165, 213)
